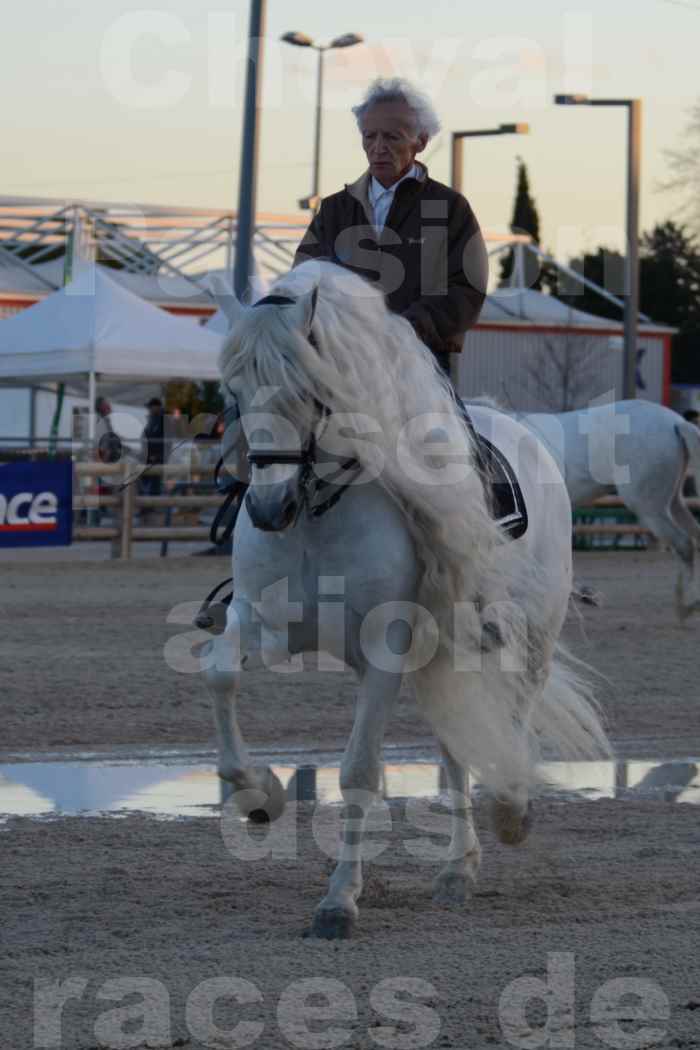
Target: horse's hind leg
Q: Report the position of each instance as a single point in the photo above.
(360, 781)
(456, 880)
(258, 793)
(678, 528)
(512, 815)
(688, 587)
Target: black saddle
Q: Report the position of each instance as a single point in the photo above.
(506, 497)
(503, 492)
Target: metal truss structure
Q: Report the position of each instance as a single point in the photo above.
(148, 240)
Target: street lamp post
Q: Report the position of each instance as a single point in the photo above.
(634, 137)
(302, 40)
(456, 158)
(245, 219)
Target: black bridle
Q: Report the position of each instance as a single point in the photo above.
(306, 459)
(234, 490)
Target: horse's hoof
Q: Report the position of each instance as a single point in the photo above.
(451, 890)
(491, 637)
(332, 924)
(259, 816)
(212, 619)
(264, 804)
(686, 611)
(510, 824)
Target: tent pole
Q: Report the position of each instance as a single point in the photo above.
(32, 416)
(92, 397)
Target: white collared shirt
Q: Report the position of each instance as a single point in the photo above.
(382, 197)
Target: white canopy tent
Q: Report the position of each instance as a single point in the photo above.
(93, 330)
(218, 323)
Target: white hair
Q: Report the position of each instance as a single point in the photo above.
(396, 89)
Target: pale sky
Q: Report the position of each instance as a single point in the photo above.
(111, 101)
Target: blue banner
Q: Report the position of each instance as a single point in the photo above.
(36, 504)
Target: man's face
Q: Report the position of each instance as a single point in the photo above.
(390, 141)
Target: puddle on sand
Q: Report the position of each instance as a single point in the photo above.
(169, 788)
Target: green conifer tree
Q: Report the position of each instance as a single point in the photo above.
(525, 219)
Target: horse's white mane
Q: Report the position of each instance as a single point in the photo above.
(366, 362)
(369, 361)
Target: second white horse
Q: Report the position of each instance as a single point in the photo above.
(642, 450)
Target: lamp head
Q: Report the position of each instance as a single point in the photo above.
(299, 39)
(514, 129)
(347, 40)
(571, 100)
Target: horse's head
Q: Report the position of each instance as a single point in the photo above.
(280, 440)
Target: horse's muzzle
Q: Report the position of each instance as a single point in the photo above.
(276, 517)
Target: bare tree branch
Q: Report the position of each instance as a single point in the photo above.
(563, 371)
(684, 165)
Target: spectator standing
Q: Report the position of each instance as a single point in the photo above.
(153, 438)
(108, 450)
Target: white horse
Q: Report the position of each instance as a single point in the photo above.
(366, 533)
(641, 450)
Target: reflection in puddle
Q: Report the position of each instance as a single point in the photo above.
(168, 788)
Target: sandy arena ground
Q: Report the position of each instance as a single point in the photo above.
(82, 661)
(602, 891)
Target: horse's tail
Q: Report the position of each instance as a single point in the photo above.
(689, 435)
(567, 719)
(497, 722)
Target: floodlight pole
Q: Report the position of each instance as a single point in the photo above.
(634, 137)
(315, 192)
(456, 158)
(298, 39)
(631, 314)
(245, 219)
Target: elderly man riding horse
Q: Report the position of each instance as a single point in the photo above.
(414, 238)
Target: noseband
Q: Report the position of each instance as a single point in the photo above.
(306, 459)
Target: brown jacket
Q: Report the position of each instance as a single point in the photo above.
(429, 259)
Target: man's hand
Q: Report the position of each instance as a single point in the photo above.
(422, 324)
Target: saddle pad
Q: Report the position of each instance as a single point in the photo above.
(507, 502)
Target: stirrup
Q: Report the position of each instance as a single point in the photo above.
(212, 615)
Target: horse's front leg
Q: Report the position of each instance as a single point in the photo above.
(457, 879)
(244, 645)
(360, 781)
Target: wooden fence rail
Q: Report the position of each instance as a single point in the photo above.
(124, 532)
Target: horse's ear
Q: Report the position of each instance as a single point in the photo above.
(226, 300)
(305, 308)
